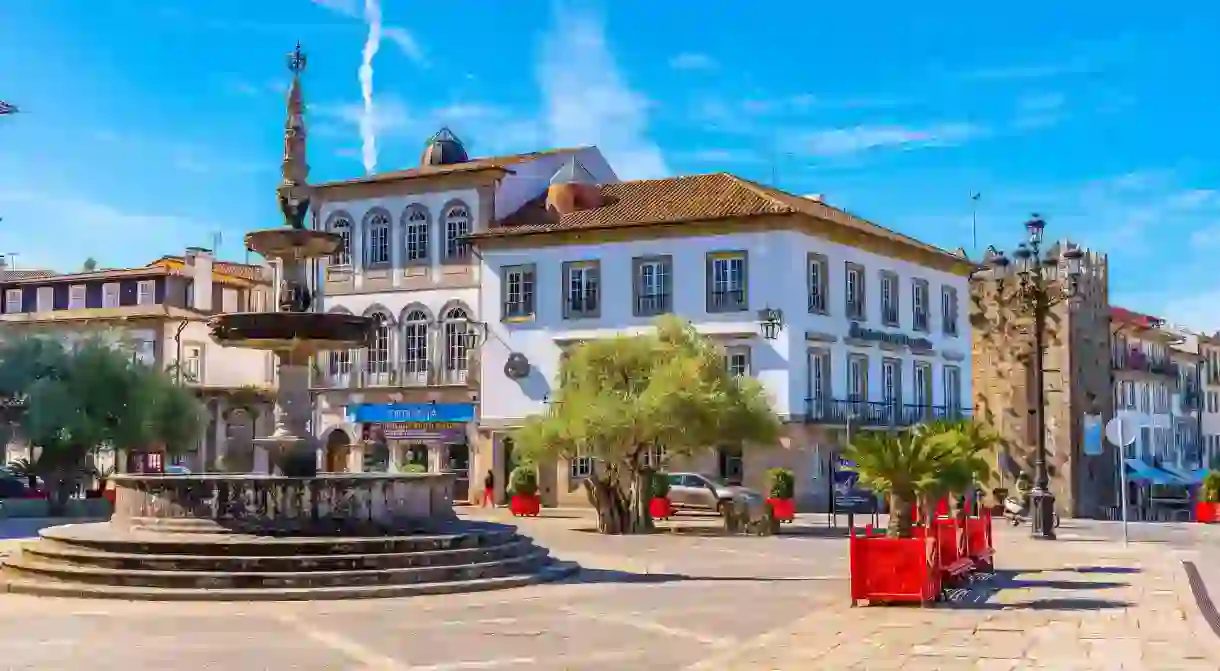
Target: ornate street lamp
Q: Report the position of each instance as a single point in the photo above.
(1031, 283)
(474, 334)
(771, 321)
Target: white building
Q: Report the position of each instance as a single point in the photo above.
(409, 399)
(1145, 382)
(1209, 422)
(875, 329)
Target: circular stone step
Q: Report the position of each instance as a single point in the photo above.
(551, 572)
(27, 568)
(57, 553)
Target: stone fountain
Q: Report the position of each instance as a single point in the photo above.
(291, 533)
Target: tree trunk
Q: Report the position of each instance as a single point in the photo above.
(900, 516)
(607, 500)
(61, 483)
(641, 495)
(959, 508)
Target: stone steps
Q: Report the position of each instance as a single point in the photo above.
(65, 554)
(98, 560)
(549, 573)
(36, 570)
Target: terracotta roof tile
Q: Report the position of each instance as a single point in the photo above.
(1125, 316)
(248, 271)
(681, 200)
(473, 165)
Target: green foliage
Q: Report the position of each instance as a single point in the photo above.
(90, 394)
(1210, 491)
(523, 481)
(89, 265)
(659, 485)
(781, 483)
(415, 468)
(621, 397)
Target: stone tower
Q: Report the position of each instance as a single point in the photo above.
(1076, 375)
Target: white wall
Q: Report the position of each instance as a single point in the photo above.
(228, 367)
(776, 277)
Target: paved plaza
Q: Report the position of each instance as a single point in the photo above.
(678, 601)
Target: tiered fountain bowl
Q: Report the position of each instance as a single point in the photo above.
(292, 535)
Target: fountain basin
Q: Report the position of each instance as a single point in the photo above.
(303, 332)
(369, 504)
(293, 243)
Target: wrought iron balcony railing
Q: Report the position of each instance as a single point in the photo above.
(360, 375)
(877, 413)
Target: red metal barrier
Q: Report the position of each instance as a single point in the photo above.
(892, 569)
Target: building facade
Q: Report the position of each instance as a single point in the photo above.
(1209, 422)
(408, 401)
(875, 331)
(1076, 365)
(158, 313)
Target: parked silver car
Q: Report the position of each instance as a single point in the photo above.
(695, 491)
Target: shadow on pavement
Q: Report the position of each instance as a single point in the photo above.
(597, 575)
(1064, 584)
(980, 593)
(1116, 570)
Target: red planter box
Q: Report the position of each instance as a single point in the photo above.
(521, 505)
(1207, 512)
(892, 569)
(108, 494)
(979, 543)
(660, 509)
(941, 510)
(783, 510)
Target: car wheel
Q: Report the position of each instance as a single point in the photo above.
(721, 508)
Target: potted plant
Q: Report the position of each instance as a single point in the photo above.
(1207, 508)
(911, 467)
(781, 488)
(523, 484)
(659, 507)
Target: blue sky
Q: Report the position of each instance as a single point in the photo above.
(150, 125)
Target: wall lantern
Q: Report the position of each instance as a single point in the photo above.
(771, 321)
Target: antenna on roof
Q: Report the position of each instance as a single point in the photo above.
(216, 239)
(974, 221)
(12, 259)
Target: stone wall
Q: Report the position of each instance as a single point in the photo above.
(1076, 366)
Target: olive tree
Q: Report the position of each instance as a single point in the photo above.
(620, 399)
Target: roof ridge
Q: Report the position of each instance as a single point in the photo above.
(762, 191)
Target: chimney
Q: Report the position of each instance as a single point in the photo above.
(573, 188)
(199, 269)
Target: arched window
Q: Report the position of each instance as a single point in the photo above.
(377, 238)
(415, 226)
(415, 347)
(342, 256)
(378, 362)
(457, 322)
(457, 227)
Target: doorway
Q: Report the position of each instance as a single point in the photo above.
(338, 450)
(458, 463)
(731, 466)
(506, 466)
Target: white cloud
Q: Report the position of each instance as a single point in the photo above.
(401, 37)
(587, 100)
(83, 227)
(692, 61)
(846, 141)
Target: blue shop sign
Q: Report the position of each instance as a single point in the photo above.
(414, 412)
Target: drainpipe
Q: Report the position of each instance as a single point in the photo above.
(178, 355)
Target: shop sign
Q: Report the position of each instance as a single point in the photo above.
(858, 332)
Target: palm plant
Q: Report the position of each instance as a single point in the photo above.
(909, 467)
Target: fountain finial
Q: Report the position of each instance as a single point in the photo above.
(293, 193)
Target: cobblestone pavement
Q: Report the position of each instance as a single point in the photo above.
(666, 602)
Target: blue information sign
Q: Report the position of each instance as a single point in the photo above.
(849, 497)
(413, 412)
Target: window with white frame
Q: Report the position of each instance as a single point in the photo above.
(76, 296)
(378, 359)
(377, 236)
(340, 362)
(726, 281)
(891, 382)
(46, 299)
(457, 227)
(12, 301)
(110, 295)
(517, 292)
(923, 384)
(819, 382)
(953, 388)
(737, 360)
(948, 310)
(415, 343)
(919, 304)
(580, 467)
(415, 225)
(819, 283)
(854, 279)
(582, 289)
(652, 285)
(457, 356)
(889, 298)
(857, 377)
(145, 292)
(192, 363)
(655, 457)
(343, 255)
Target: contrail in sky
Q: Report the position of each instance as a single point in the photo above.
(368, 131)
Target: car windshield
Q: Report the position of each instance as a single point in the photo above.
(719, 482)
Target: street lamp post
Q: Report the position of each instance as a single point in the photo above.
(1031, 284)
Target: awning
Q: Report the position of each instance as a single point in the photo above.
(1188, 476)
(1142, 472)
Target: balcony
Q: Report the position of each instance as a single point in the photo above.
(877, 413)
(397, 374)
(1135, 360)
